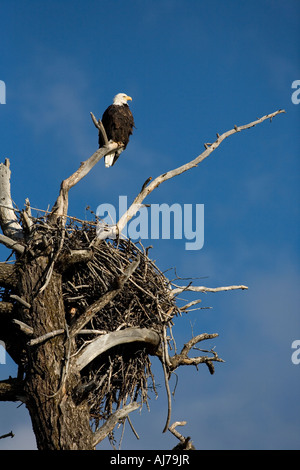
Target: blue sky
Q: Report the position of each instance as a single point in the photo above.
(193, 68)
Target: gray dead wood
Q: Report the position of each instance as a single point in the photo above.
(26, 329)
(115, 338)
(60, 208)
(12, 244)
(111, 422)
(180, 289)
(8, 219)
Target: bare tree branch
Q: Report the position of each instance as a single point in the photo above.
(8, 219)
(109, 425)
(100, 127)
(180, 289)
(27, 216)
(45, 337)
(175, 433)
(28, 330)
(190, 304)
(183, 359)
(61, 331)
(20, 300)
(10, 243)
(110, 340)
(10, 434)
(185, 442)
(147, 189)
(60, 208)
(168, 393)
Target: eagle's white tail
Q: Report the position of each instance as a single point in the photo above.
(109, 159)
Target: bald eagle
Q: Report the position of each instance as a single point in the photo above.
(118, 123)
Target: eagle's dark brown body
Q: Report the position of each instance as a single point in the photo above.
(118, 123)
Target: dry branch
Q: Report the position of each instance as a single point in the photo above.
(8, 219)
(147, 189)
(26, 329)
(175, 433)
(118, 415)
(185, 442)
(180, 289)
(115, 338)
(20, 300)
(60, 208)
(100, 127)
(183, 359)
(12, 244)
(27, 216)
(190, 304)
(9, 434)
(45, 337)
(61, 331)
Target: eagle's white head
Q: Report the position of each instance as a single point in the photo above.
(121, 98)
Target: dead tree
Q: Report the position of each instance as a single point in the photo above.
(82, 314)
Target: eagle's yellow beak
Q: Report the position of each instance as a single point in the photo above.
(128, 98)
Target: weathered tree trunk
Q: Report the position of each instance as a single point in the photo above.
(58, 423)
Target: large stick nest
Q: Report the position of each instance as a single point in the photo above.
(124, 372)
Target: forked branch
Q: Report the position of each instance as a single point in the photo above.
(148, 188)
(183, 359)
(60, 208)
